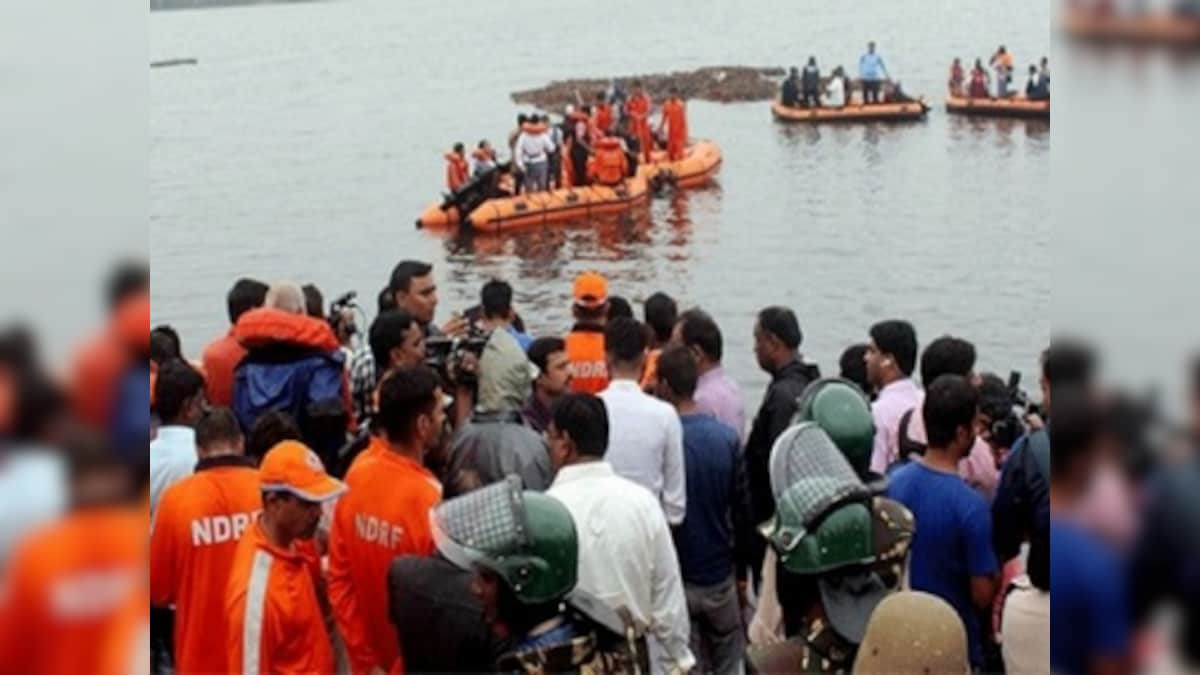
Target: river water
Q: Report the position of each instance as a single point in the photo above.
(309, 136)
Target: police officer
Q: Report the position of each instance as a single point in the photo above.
(836, 552)
(524, 551)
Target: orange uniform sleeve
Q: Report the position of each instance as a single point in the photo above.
(343, 599)
(19, 615)
(163, 557)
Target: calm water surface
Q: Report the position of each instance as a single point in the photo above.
(310, 135)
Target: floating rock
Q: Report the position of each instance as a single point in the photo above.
(724, 84)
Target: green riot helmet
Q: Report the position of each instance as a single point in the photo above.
(839, 407)
(528, 539)
(810, 479)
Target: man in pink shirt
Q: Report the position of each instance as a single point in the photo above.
(891, 357)
(954, 356)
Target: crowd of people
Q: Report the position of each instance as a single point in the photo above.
(978, 83)
(468, 497)
(808, 89)
(599, 143)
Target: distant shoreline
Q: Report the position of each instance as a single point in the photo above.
(172, 5)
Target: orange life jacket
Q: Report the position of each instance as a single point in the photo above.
(608, 165)
(604, 117)
(585, 351)
(638, 108)
(457, 171)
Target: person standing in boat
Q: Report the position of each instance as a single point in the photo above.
(638, 110)
(835, 90)
(513, 135)
(979, 81)
(1044, 76)
(872, 72)
(674, 121)
(810, 84)
(1002, 62)
(554, 166)
(789, 93)
(957, 77)
(533, 154)
(457, 169)
(485, 158)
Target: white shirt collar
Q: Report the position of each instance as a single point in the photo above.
(896, 386)
(176, 434)
(583, 471)
(624, 385)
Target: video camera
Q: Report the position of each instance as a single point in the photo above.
(1009, 411)
(341, 315)
(446, 355)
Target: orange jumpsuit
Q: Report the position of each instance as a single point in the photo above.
(275, 623)
(197, 526)
(604, 118)
(384, 514)
(75, 597)
(637, 108)
(457, 171)
(674, 118)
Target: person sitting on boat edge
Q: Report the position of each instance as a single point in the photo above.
(957, 77)
(789, 93)
(484, 157)
(608, 165)
(457, 169)
(835, 90)
(810, 84)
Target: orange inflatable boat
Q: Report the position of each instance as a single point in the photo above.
(698, 166)
(1163, 29)
(1016, 106)
(852, 112)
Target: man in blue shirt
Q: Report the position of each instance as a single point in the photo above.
(1089, 627)
(496, 300)
(872, 72)
(952, 551)
(717, 497)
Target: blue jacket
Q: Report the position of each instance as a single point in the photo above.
(304, 383)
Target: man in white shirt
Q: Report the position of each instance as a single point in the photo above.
(891, 357)
(626, 557)
(179, 400)
(645, 444)
(532, 154)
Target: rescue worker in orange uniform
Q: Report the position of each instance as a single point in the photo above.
(637, 109)
(197, 526)
(385, 515)
(603, 114)
(674, 120)
(275, 623)
(608, 166)
(585, 342)
(458, 171)
(75, 597)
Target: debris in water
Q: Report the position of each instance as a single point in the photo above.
(724, 84)
(173, 62)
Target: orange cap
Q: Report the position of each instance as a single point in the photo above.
(291, 467)
(591, 290)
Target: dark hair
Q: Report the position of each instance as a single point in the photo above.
(584, 419)
(541, 349)
(781, 322)
(165, 344)
(128, 278)
(995, 400)
(950, 403)
(947, 356)
(618, 306)
(496, 298)
(521, 118)
(677, 367)
(851, 366)
(270, 429)
(898, 338)
(314, 302)
(1074, 430)
(698, 329)
(404, 395)
(624, 339)
(177, 382)
(386, 299)
(245, 295)
(386, 333)
(661, 313)
(481, 144)
(1068, 362)
(217, 425)
(600, 96)
(458, 147)
(405, 271)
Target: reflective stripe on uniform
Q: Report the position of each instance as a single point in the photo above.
(256, 600)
